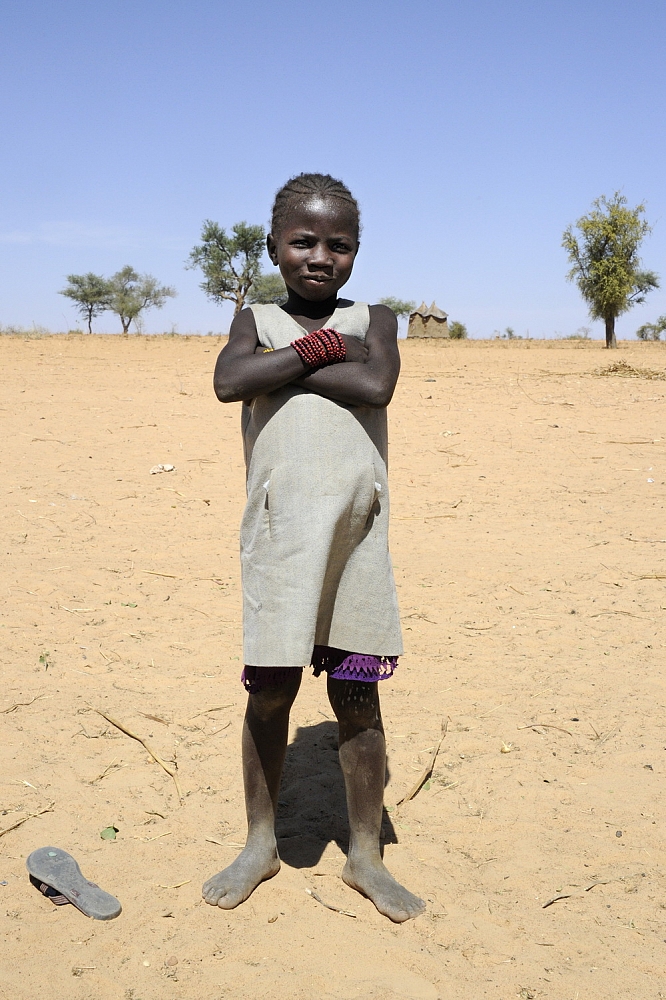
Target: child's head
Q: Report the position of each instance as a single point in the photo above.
(314, 235)
(305, 188)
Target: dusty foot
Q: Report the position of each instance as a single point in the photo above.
(373, 880)
(233, 885)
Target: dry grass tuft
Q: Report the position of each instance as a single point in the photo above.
(625, 370)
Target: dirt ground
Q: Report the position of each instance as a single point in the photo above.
(528, 537)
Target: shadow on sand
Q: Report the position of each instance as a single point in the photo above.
(312, 810)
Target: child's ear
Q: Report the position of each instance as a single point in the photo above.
(271, 247)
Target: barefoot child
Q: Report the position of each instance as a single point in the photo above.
(315, 375)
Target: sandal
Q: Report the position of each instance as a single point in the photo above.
(57, 875)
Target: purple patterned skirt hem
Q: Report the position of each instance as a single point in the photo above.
(346, 666)
(340, 664)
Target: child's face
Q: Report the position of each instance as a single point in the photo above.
(315, 250)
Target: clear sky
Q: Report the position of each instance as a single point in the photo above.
(472, 134)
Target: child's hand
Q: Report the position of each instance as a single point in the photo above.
(356, 351)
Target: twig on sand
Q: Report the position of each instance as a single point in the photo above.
(170, 770)
(555, 899)
(220, 730)
(219, 708)
(427, 773)
(108, 770)
(545, 725)
(575, 895)
(20, 822)
(336, 909)
(599, 737)
(155, 718)
(20, 704)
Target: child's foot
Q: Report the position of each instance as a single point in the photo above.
(234, 884)
(372, 879)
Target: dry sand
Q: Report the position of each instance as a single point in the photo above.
(529, 541)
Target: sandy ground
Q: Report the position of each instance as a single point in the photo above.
(529, 541)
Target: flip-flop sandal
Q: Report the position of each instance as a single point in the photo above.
(56, 874)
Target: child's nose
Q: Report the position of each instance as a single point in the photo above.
(320, 256)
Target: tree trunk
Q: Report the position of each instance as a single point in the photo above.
(90, 322)
(610, 332)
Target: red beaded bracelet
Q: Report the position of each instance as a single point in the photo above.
(320, 348)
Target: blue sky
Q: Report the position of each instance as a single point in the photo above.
(472, 134)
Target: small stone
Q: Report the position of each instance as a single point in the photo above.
(272, 919)
(618, 833)
(172, 960)
(147, 964)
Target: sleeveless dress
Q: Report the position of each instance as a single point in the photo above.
(314, 536)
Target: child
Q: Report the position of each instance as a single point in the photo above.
(315, 375)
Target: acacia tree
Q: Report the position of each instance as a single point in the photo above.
(399, 306)
(268, 288)
(131, 293)
(652, 331)
(90, 294)
(604, 259)
(230, 263)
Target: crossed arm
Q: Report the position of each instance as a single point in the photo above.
(367, 377)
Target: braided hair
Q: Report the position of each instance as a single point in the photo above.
(302, 188)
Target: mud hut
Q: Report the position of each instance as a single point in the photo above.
(428, 321)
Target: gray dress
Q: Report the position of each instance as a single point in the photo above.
(314, 535)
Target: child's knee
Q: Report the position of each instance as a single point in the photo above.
(355, 703)
(272, 702)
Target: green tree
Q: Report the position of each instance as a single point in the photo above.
(131, 293)
(458, 331)
(230, 263)
(399, 306)
(604, 259)
(90, 294)
(652, 331)
(268, 288)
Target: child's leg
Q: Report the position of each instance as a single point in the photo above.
(363, 763)
(265, 731)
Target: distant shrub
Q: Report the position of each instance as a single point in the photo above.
(457, 331)
(23, 331)
(652, 331)
(582, 333)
